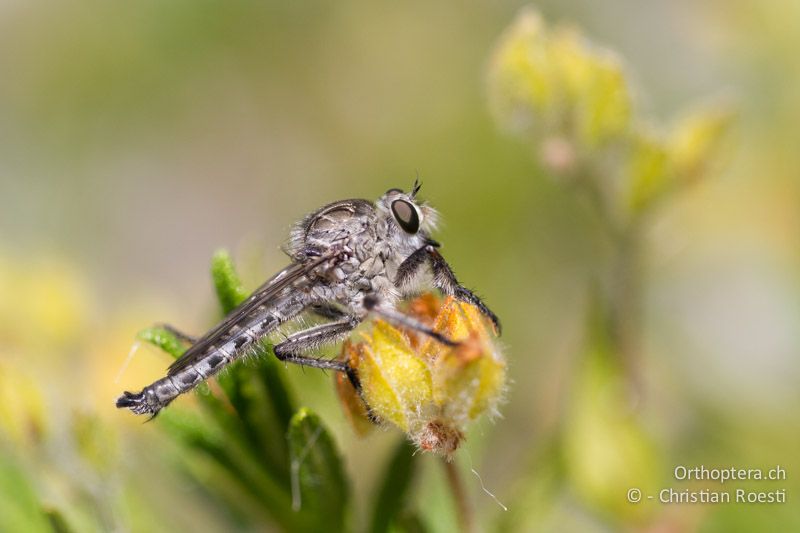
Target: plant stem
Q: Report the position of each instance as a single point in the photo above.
(625, 307)
(622, 301)
(463, 508)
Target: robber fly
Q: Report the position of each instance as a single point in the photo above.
(350, 259)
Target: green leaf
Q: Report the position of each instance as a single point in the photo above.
(223, 447)
(410, 522)
(319, 488)
(607, 449)
(161, 338)
(19, 503)
(241, 436)
(259, 395)
(57, 521)
(230, 291)
(391, 499)
(261, 400)
(272, 376)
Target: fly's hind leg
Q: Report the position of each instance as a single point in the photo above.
(291, 349)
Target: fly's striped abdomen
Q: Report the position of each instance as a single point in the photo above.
(226, 348)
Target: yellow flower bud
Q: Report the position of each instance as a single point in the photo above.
(553, 82)
(428, 389)
(649, 171)
(696, 137)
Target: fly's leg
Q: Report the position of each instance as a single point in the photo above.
(290, 350)
(411, 266)
(327, 310)
(185, 337)
(444, 279)
(372, 305)
(310, 339)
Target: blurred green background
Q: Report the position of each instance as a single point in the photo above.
(137, 138)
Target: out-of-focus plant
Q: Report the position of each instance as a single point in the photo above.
(260, 455)
(59, 461)
(247, 445)
(571, 100)
(43, 304)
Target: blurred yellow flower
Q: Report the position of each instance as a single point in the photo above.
(558, 84)
(429, 390)
(45, 303)
(22, 408)
(573, 100)
(696, 135)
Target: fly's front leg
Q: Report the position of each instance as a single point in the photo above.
(372, 304)
(443, 279)
(290, 350)
(409, 268)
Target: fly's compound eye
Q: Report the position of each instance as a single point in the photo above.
(394, 191)
(406, 215)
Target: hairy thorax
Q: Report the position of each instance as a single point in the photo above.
(366, 255)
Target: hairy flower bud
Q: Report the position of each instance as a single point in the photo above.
(428, 389)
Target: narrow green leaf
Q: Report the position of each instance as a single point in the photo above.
(273, 378)
(410, 522)
(242, 434)
(260, 419)
(236, 459)
(161, 338)
(391, 499)
(57, 521)
(259, 396)
(195, 431)
(268, 372)
(230, 291)
(319, 487)
(20, 508)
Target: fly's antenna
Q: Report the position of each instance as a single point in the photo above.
(417, 186)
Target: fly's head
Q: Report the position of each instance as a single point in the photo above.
(408, 220)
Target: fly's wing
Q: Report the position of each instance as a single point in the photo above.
(265, 295)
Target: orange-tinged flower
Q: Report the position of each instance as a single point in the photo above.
(428, 389)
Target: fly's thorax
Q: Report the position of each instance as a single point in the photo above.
(370, 241)
(335, 226)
